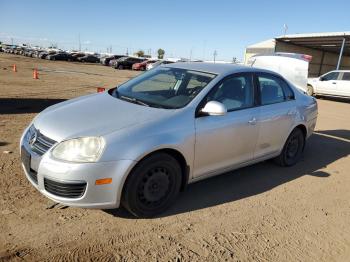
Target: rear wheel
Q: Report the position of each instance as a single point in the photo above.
(120, 67)
(152, 186)
(292, 149)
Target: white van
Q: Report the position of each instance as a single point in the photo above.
(294, 67)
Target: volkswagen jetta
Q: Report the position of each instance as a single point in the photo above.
(140, 144)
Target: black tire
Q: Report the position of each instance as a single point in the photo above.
(120, 67)
(152, 186)
(310, 90)
(293, 149)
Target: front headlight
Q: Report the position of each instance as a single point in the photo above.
(84, 149)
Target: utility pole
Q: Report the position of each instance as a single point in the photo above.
(79, 42)
(215, 54)
(341, 53)
(127, 51)
(191, 54)
(204, 49)
(285, 28)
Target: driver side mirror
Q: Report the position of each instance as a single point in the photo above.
(213, 108)
(321, 78)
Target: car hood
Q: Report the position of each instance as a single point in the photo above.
(312, 79)
(93, 115)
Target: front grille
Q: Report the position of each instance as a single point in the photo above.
(69, 190)
(42, 143)
(33, 175)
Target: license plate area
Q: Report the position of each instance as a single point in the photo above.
(26, 158)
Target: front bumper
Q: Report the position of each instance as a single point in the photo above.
(63, 174)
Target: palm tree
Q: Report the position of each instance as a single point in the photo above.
(140, 53)
(161, 53)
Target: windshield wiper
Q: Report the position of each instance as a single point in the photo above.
(133, 100)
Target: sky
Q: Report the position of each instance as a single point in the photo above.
(183, 28)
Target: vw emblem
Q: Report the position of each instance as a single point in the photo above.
(33, 138)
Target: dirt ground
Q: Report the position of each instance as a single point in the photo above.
(259, 213)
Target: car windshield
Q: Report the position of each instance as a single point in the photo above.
(164, 87)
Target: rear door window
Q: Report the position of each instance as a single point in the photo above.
(271, 89)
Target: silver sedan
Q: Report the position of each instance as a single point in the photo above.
(140, 144)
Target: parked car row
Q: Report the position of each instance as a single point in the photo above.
(116, 61)
(127, 62)
(52, 54)
(108, 59)
(135, 63)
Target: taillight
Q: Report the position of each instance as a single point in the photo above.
(307, 57)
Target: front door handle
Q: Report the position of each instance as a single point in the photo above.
(333, 83)
(252, 121)
(291, 113)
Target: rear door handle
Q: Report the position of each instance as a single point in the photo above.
(252, 121)
(334, 83)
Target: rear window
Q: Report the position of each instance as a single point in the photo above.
(346, 76)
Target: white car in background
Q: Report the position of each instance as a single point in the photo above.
(334, 83)
(158, 63)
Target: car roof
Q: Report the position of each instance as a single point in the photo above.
(214, 68)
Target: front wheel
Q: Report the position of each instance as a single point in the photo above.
(292, 150)
(152, 186)
(310, 90)
(120, 67)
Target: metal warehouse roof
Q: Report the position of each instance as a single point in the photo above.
(330, 42)
(270, 43)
